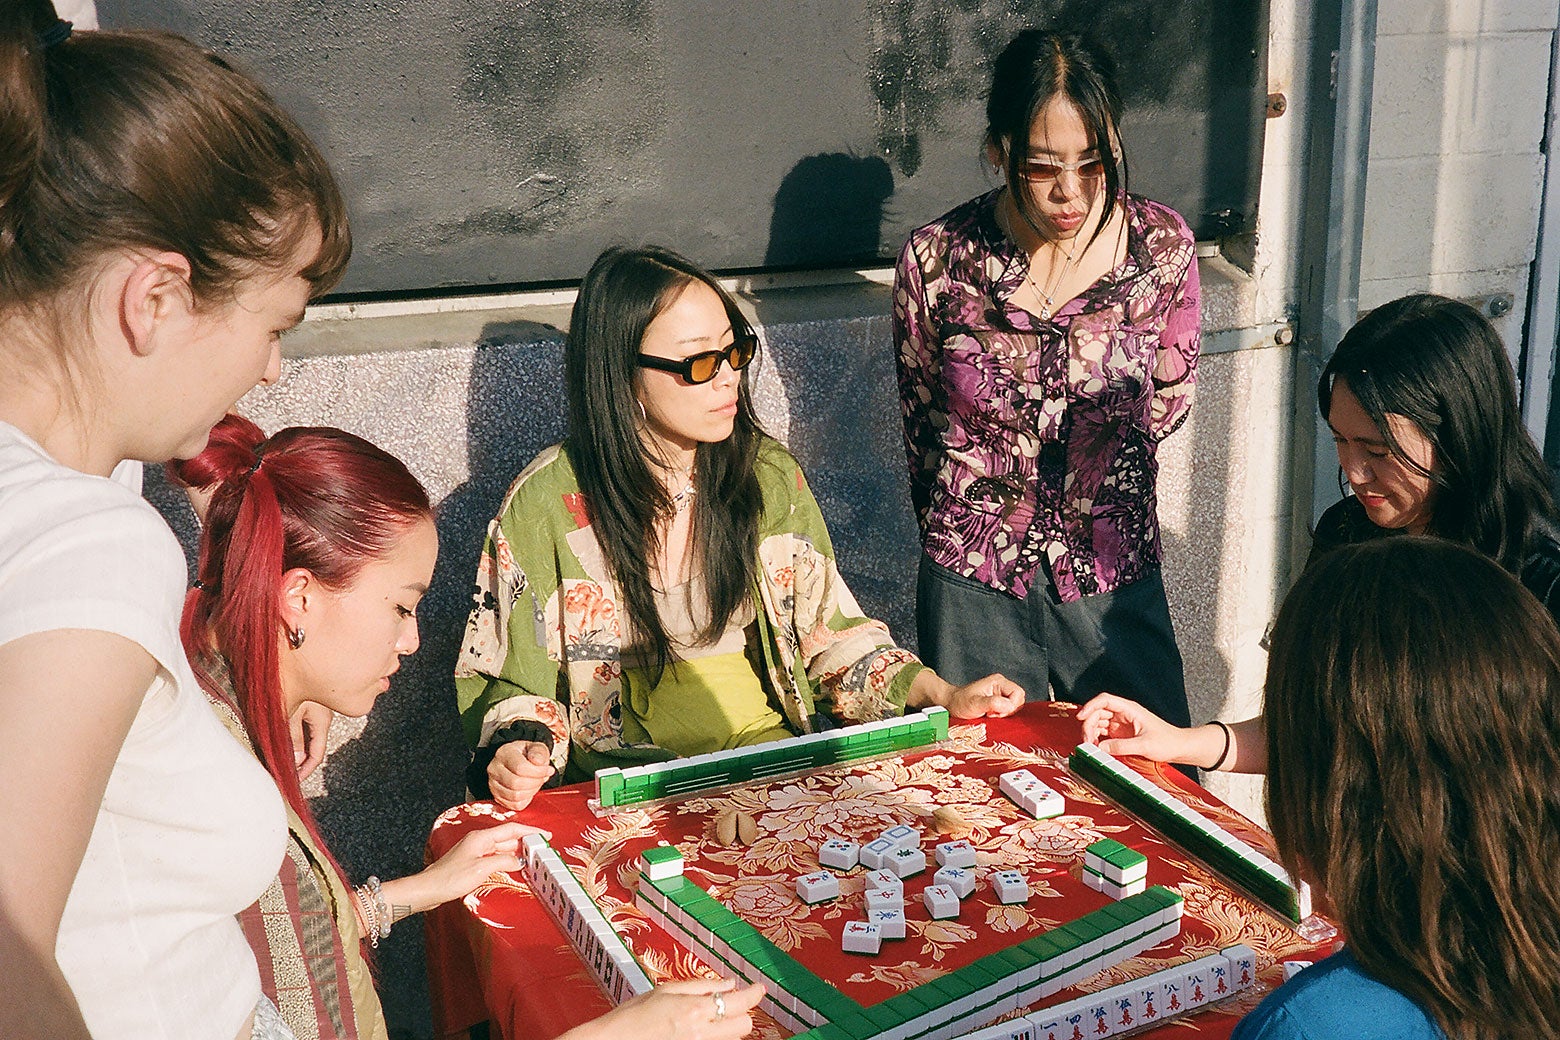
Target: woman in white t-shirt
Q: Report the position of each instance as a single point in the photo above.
(162, 221)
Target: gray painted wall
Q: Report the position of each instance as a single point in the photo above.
(508, 141)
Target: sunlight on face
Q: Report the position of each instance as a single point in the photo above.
(1394, 493)
(357, 636)
(680, 416)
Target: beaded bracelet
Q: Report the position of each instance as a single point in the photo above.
(370, 915)
(381, 910)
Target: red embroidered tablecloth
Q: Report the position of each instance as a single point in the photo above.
(499, 957)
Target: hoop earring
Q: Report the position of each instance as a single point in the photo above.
(644, 417)
(295, 637)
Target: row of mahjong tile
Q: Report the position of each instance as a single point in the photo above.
(616, 786)
(599, 945)
(731, 946)
(988, 989)
(1130, 1005)
(993, 986)
(1188, 827)
(1003, 982)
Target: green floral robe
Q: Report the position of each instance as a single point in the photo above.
(544, 637)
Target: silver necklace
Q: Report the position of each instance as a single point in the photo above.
(1056, 283)
(1047, 298)
(680, 499)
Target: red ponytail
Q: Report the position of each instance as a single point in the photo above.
(310, 497)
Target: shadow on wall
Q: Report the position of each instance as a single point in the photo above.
(839, 381)
(829, 209)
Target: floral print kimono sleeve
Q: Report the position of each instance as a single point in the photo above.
(1175, 361)
(857, 672)
(917, 350)
(509, 667)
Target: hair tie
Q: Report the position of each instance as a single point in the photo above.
(55, 34)
(255, 466)
(202, 586)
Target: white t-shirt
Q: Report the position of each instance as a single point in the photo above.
(192, 828)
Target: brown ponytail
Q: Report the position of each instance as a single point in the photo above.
(22, 110)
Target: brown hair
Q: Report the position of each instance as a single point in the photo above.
(139, 140)
(1413, 726)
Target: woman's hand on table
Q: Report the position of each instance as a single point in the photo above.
(469, 862)
(1123, 727)
(518, 770)
(678, 1011)
(993, 696)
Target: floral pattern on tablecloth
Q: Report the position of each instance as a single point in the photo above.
(794, 815)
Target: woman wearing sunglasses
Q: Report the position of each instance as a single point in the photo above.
(662, 584)
(1047, 337)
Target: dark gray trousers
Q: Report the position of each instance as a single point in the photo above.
(1117, 642)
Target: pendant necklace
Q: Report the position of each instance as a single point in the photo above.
(1056, 283)
(682, 498)
(679, 500)
(1046, 298)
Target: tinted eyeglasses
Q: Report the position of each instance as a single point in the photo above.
(1034, 170)
(705, 365)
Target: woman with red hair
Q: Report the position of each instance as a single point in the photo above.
(316, 550)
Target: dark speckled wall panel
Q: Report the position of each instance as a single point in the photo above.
(506, 142)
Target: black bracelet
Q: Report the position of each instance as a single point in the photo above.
(520, 729)
(1227, 743)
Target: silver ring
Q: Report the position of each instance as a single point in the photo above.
(720, 1006)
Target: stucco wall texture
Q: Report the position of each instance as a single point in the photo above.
(467, 416)
(486, 142)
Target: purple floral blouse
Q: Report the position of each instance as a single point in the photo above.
(1034, 440)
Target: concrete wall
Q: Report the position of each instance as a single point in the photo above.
(1456, 171)
(503, 142)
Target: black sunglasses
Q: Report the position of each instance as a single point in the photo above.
(705, 365)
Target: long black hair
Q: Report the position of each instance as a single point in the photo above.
(1438, 363)
(625, 290)
(1035, 67)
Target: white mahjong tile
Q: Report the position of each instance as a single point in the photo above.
(1243, 965)
(890, 922)
(839, 853)
(941, 902)
(876, 854)
(861, 937)
(817, 887)
(1009, 886)
(884, 880)
(882, 899)
(955, 854)
(907, 862)
(962, 881)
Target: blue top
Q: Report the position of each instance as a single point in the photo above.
(1335, 1000)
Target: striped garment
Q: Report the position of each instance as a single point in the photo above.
(304, 932)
